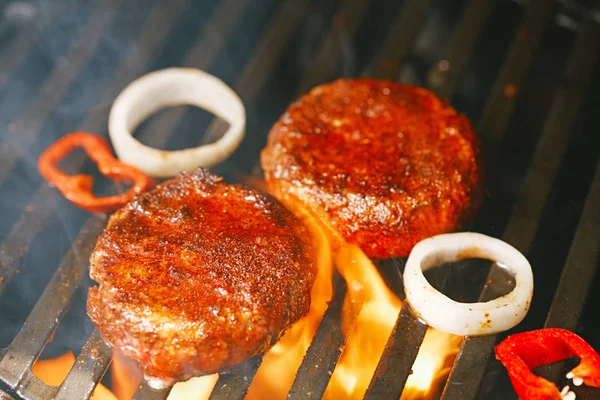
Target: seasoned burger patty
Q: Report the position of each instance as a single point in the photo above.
(197, 276)
(385, 164)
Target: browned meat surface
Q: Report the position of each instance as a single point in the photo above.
(197, 276)
(385, 164)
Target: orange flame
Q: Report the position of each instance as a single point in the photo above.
(371, 309)
(432, 365)
(54, 371)
(276, 374)
(369, 314)
(281, 361)
(126, 377)
(368, 317)
(198, 388)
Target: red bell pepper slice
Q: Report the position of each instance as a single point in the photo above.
(522, 352)
(78, 188)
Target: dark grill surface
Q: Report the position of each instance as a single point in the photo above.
(525, 72)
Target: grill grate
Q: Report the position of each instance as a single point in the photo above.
(255, 48)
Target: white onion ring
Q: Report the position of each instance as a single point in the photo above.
(167, 88)
(471, 319)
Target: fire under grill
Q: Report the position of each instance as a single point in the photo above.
(525, 72)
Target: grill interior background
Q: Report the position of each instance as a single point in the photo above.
(526, 74)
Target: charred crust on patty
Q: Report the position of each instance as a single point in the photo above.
(198, 276)
(385, 165)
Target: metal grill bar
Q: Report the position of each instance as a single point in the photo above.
(386, 381)
(21, 235)
(67, 49)
(394, 52)
(202, 55)
(579, 270)
(400, 39)
(460, 49)
(32, 388)
(45, 200)
(458, 52)
(145, 392)
(259, 68)
(89, 368)
(525, 217)
(514, 69)
(253, 83)
(321, 69)
(5, 396)
(236, 384)
(147, 44)
(577, 275)
(527, 38)
(552, 145)
(27, 222)
(461, 46)
(398, 357)
(469, 368)
(154, 30)
(271, 43)
(20, 46)
(50, 308)
(327, 57)
(321, 66)
(324, 351)
(28, 125)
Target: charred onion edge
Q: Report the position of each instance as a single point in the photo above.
(167, 88)
(470, 319)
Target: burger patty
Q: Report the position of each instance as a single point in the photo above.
(197, 276)
(384, 164)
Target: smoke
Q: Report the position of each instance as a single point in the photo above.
(57, 58)
(19, 12)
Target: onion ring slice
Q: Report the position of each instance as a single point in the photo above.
(471, 319)
(167, 88)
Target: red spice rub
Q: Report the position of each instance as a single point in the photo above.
(197, 276)
(385, 164)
